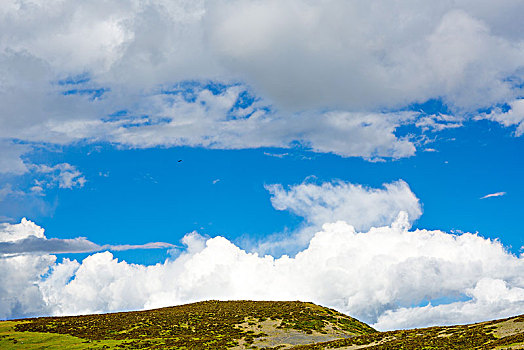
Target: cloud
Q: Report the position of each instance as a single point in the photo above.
(25, 257)
(438, 122)
(54, 246)
(355, 56)
(25, 229)
(29, 238)
(497, 194)
(11, 161)
(64, 175)
(489, 298)
(512, 116)
(8, 191)
(224, 118)
(371, 55)
(108, 72)
(380, 276)
(363, 207)
(276, 155)
(389, 276)
(228, 117)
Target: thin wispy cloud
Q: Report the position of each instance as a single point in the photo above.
(28, 238)
(496, 194)
(32, 245)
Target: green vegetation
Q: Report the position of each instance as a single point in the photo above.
(247, 325)
(204, 325)
(499, 334)
(11, 340)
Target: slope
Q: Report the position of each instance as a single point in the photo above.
(203, 325)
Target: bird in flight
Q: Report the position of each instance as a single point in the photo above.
(179, 160)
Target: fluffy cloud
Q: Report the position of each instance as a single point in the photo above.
(361, 206)
(25, 258)
(369, 55)
(329, 73)
(377, 276)
(389, 276)
(229, 117)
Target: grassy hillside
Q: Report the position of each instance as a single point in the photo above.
(246, 325)
(204, 325)
(500, 334)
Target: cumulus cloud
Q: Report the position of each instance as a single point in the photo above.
(380, 276)
(362, 206)
(25, 256)
(387, 275)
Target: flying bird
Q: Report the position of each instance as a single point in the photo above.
(179, 160)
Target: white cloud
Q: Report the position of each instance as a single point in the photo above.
(213, 119)
(8, 191)
(362, 206)
(28, 238)
(497, 194)
(323, 69)
(383, 276)
(20, 295)
(376, 276)
(210, 121)
(514, 116)
(64, 175)
(490, 298)
(25, 258)
(25, 229)
(438, 122)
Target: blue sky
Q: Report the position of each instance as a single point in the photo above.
(159, 141)
(136, 196)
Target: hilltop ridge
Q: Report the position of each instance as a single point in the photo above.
(247, 324)
(203, 325)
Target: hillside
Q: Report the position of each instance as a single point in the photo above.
(203, 325)
(246, 325)
(499, 334)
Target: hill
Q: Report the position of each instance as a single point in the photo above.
(247, 325)
(203, 325)
(499, 334)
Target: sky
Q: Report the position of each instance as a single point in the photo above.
(365, 156)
